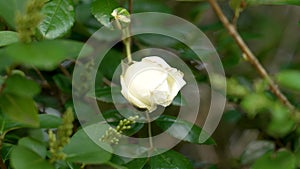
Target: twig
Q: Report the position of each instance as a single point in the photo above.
(108, 82)
(44, 81)
(249, 55)
(64, 71)
(130, 4)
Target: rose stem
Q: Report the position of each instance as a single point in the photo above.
(127, 43)
(126, 39)
(149, 134)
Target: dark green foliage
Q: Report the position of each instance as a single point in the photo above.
(40, 41)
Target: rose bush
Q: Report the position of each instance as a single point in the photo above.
(151, 82)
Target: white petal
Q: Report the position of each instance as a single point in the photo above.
(146, 82)
(175, 86)
(176, 74)
(157, 61)
(126, 93)
(161, 94)
(125, 19)
(142, 78)
(114, 13)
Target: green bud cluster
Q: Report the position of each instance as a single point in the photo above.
(62, 137)
(113, 135)
(27, 23)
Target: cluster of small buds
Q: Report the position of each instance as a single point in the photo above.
(59, 140)
(65, 130)
(113, 135)
(55, 151)
(27, 23)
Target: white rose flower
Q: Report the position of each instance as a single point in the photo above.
(151, 82)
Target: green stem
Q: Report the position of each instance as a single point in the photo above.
(126, 40)
(149, 134)
(128, 49)
(2, 165)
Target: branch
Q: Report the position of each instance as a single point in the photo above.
(64, 71)
(43, 79)
(250, 56)
(130, 4)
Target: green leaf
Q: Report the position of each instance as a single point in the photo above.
(44, 55)
(25, 158)
(5, 61)
(255, 150)
(131, 149)
(232, 116)
(180, 128)
(255, 102)
(49, 121)
(105, 95)
(151, 39)
(273, 2)
(179, 100)
(20, 86)
(8, 37)
(2, 80)
(235, 89)
(154, 6)
(279, 160)
(38, 134)
(281, 122)
(34, 145)
(8, 124)
(110, 63)
(297, 155)
(82, 149)
(6, 151)
(9, 9)
(170, 159)
(102, 10)
(59, 17)
(289, 79)
(20, 109)
(138, 163)
(63, 83)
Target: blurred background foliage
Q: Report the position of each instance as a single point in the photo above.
(256, 131)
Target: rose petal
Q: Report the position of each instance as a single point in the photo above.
(161, 94)
(146, 82)
(144, 77)
(156, 61)
(124, 19)
(126, 93)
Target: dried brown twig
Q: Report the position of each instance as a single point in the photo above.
(250, 57)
